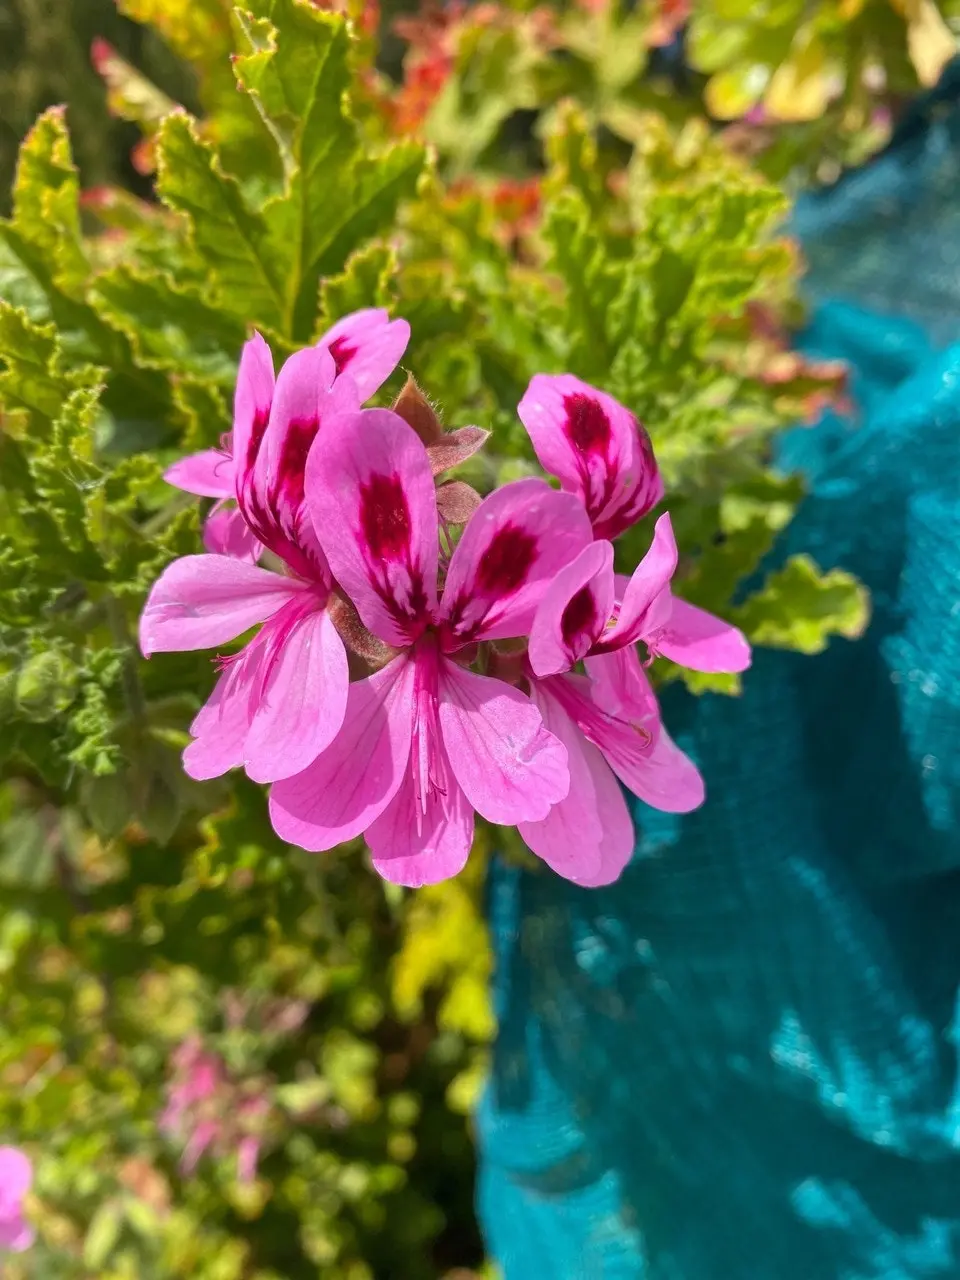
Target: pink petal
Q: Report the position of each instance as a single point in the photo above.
(645, 603)
(646, 761)
(619, 686)
(373, 503)
(668, 780)
(367, 345)
(220, 728)
(573, 612)
(248, 1153)
(351, 783)
(694, 638)
(251, 406)
(570, 836)
(414, 848)
(273, 501)
(199, 602)
(510, 768)
(303, 701)
(208, 474)
(596, 448)
(226, 533)
(517, 540)
(16, 1235)
(16, 1175)
(202, 1137)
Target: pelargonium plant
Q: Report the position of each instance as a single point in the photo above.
(406, 676)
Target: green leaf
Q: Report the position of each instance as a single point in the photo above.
(33, 377)
(169, 326)
(580, 258)
(46, 197)
(68, 482)
(232, 237)
(367, 281)
(337, 193)
(800, 608)
(204, 411)
(103, 1234)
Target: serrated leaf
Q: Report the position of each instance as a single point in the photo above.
(800, 608)
(232, 237)
(32, 376)
(170, 327)
(44, 270)
(130, 95)
(579, 257)
(46, 197)
(67, 480)
(368, 280)
(337, 194)
(204, 411)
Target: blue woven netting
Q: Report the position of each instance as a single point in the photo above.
(741, 1061)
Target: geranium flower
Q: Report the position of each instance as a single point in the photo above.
(281, 700)
(588, 836)
(366, 345)
(425, 741)
(208, 1111)
(595, 447)
(587, 612)
(16, 1176)
(611, 721)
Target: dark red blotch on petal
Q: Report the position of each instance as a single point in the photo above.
(342, 351)
(506, 562)
(579, 616)
(301, 434)
(260, 419)
(588, 426)
(385, 517)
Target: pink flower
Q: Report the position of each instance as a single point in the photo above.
(280, 701)
(425, 742)
(206, 1110)
(16, 1176)
(595, 447)
(583, 616)
(588, 836)
(611, 721)
(367, 345)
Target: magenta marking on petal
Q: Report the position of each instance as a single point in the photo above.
(301, 434)
(579, 616)
(260, 419)
(385, 517)
(342, 351)
(587, 426)
(507, 560)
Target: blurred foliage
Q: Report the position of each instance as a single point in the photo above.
(808, 87)
(576, 212)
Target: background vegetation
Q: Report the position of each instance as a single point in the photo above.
(534, 189)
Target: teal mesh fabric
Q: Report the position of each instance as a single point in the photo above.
(741, 1061)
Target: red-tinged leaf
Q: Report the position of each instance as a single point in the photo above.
(455, 447)
(457, 501)
(355, 635)
(417, 411)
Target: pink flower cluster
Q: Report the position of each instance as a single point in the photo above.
(494, 673)
(207, 1110)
